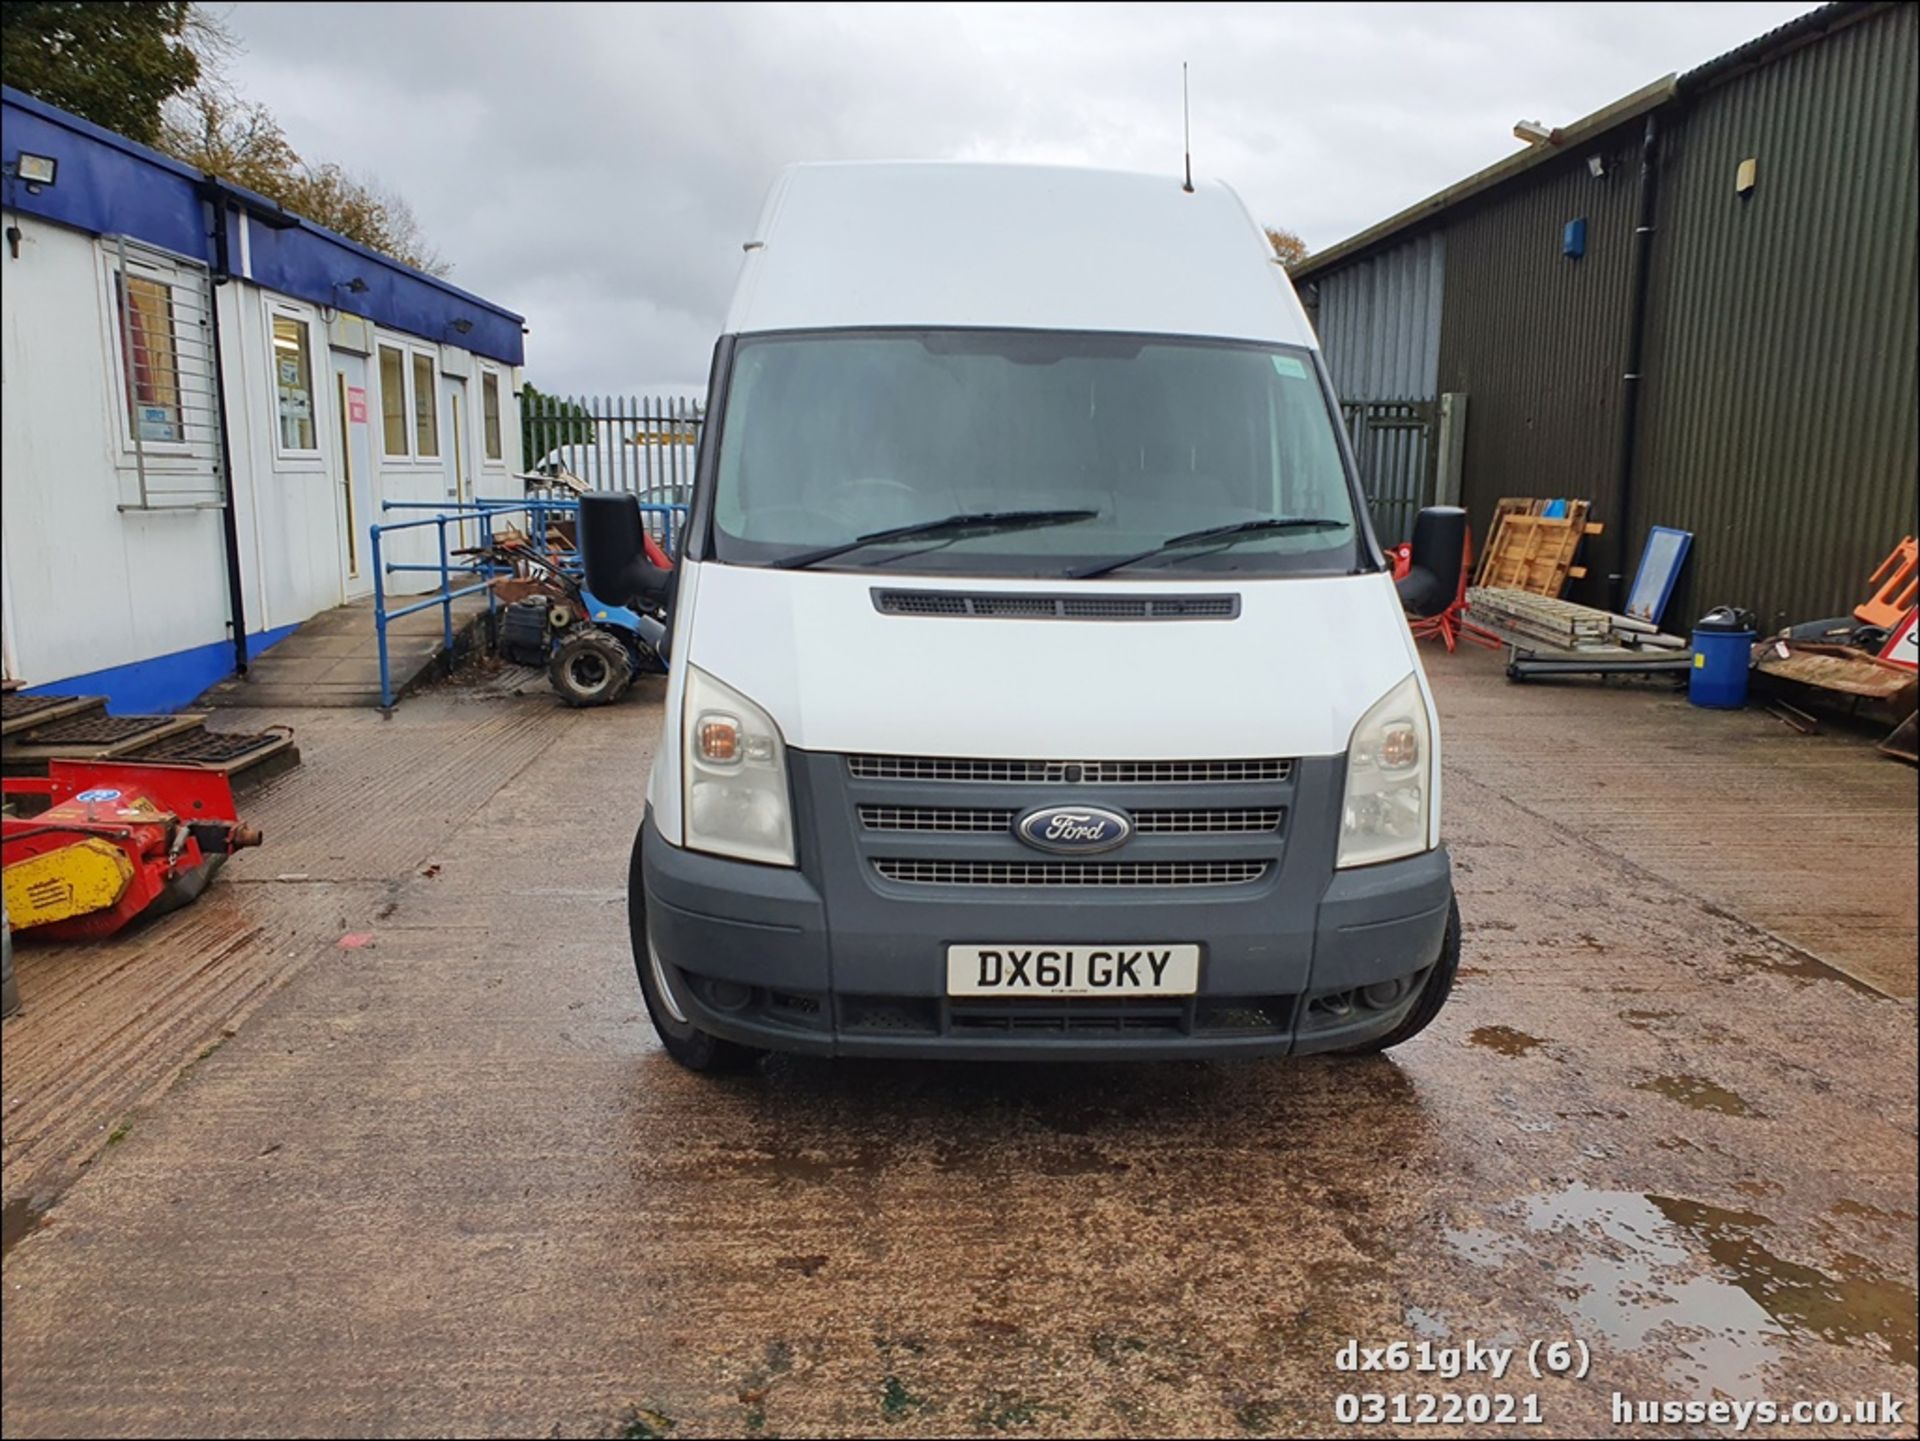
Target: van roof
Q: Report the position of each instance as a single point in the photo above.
(1043, 247)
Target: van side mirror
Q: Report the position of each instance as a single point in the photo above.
(613, 551)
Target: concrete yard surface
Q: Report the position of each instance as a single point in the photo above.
(427, 1171)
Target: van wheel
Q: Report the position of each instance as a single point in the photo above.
(590, 667)
(1439, 985)
(692, 1047)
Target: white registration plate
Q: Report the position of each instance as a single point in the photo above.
(1057, 970)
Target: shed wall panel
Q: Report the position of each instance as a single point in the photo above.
(1379, 322)
(1537, 340)
(1780, 421)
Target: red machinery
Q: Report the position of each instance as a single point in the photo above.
(118, 841)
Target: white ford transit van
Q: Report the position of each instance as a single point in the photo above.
(1037, 687)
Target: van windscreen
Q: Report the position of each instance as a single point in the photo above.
(827, 437)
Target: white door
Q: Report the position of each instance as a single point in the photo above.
(355, 480)
(457, 452)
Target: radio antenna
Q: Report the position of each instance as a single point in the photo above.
(1186, 125)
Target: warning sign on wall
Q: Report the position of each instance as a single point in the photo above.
(357, 404)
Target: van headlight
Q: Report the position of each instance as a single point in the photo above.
(1389, 780)
(737, 802)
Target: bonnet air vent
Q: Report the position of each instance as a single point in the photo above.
(1005, 605)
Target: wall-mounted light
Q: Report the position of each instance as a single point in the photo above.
(1535, 133)
(356, 286)
(1745, 176)
(1597, 166)
(36, 171)
(463, 325)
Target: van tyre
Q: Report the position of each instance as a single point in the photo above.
(590, 667)
(692, 1047)
(1433, 994)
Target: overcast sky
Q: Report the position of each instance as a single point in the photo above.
(595, 167)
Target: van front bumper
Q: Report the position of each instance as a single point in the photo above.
(766, 956)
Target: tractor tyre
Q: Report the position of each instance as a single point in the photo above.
(590, 667)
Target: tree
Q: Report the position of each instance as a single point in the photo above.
(1288, 248)
(241, 142)
(548, 422)
(114, 62)
(238, 141)
(150, 69)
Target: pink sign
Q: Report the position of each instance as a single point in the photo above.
(357, 404)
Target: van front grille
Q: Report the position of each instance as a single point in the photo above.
(1004, 605)
(1034, 772)
(943, 821)
(1071, 873)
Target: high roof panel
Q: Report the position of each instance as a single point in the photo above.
(1015, 246)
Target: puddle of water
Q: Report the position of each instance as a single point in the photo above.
(1871, 1213)
(18, 1220)
(1699, 1093)
(1427, 1323)
(1859, 1306)
(1799, 966)
(1505, 1039)
(1633, 1287)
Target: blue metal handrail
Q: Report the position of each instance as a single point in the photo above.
(484, 512)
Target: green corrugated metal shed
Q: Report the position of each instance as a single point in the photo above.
(1536, 340)
(1781, 423)
(1779, 418)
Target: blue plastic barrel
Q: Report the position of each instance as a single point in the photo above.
(1721, 657)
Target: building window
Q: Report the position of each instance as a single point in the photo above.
(293, 383)
(393, 402)
(152, 358)
(426, 409)
(490, 414)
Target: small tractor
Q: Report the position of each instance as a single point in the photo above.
(591, 649)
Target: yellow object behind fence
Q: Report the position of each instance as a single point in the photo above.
(87, 876)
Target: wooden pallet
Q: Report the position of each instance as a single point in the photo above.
(1534, 552)
(1838, 668)
(1527, 532)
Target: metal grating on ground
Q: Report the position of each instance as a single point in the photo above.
(14, 706)
(206, 747)
(95, 730)
(18, 712)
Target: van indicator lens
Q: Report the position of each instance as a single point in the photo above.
(1075, 830)
(719, 739)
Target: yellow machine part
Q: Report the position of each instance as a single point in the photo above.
(86, 876)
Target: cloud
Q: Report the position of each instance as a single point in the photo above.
(597, 166)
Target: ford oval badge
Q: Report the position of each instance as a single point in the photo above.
(1073, 830)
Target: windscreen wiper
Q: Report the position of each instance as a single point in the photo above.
(980, 522)
(1226, 534)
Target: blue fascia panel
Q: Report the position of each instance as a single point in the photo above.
(314, 265)
(109, 185)
(164, 683)
(106, 186)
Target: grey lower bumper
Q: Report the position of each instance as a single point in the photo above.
(759, 955)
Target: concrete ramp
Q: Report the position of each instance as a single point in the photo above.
(334, 658)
